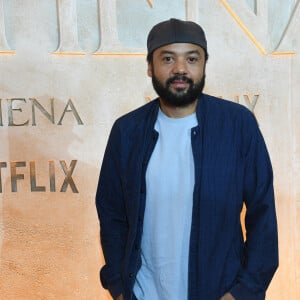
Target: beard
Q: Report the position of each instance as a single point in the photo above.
(181, 97)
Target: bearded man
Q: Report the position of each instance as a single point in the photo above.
(174, 178)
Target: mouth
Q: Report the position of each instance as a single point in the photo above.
(179, 84)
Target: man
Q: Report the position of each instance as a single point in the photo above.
(173, 181)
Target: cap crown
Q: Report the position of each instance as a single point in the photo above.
(176, 31)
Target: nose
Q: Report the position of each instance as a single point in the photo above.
(179, 67)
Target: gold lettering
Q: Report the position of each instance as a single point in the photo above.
(34, 187)
(14, 176)
(68, 176)
(52, 176)
(49, 116)
(151, 3)
(237, 98)
(2, 165)
(1, 121)
(73, 110)
(14, 107)
(11, 110)
(251, 103)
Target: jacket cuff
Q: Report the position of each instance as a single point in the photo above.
(116, 289)
(241, 292)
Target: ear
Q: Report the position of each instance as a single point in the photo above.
(150, 69)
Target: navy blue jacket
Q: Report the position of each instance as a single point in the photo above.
(232, 167)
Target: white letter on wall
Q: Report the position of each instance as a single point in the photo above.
(68, 32)
(4, 48)
(108, 27)
(192, 10)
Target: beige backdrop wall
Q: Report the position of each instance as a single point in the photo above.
(68, 69)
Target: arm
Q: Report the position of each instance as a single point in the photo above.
(261, 246)
(111, 213)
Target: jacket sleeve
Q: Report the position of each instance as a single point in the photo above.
(112, 216)
(261, 246)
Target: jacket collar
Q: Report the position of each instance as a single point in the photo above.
(200, 110)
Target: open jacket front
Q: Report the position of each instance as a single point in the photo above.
(232, 166)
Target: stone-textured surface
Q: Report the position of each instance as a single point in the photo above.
(49, 241)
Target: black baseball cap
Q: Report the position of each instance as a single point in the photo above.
(176, 31)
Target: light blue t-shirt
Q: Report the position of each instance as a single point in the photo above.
(168, 213)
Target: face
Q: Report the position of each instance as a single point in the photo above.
(178, 73)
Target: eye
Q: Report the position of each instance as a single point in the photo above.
(192, 59)
(167, 59)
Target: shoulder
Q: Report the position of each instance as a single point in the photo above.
(137, 120)
(223, 105)
(139, 113)
(231, 119)
(221, 108)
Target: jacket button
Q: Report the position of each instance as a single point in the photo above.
(131, 275)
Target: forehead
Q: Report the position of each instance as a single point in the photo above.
(179, 48)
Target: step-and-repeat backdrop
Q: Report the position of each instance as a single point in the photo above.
(68, 69)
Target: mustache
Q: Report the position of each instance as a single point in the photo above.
(180, 78)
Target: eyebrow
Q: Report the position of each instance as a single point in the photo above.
(173, 52)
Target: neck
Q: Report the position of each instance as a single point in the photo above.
(178, 112)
